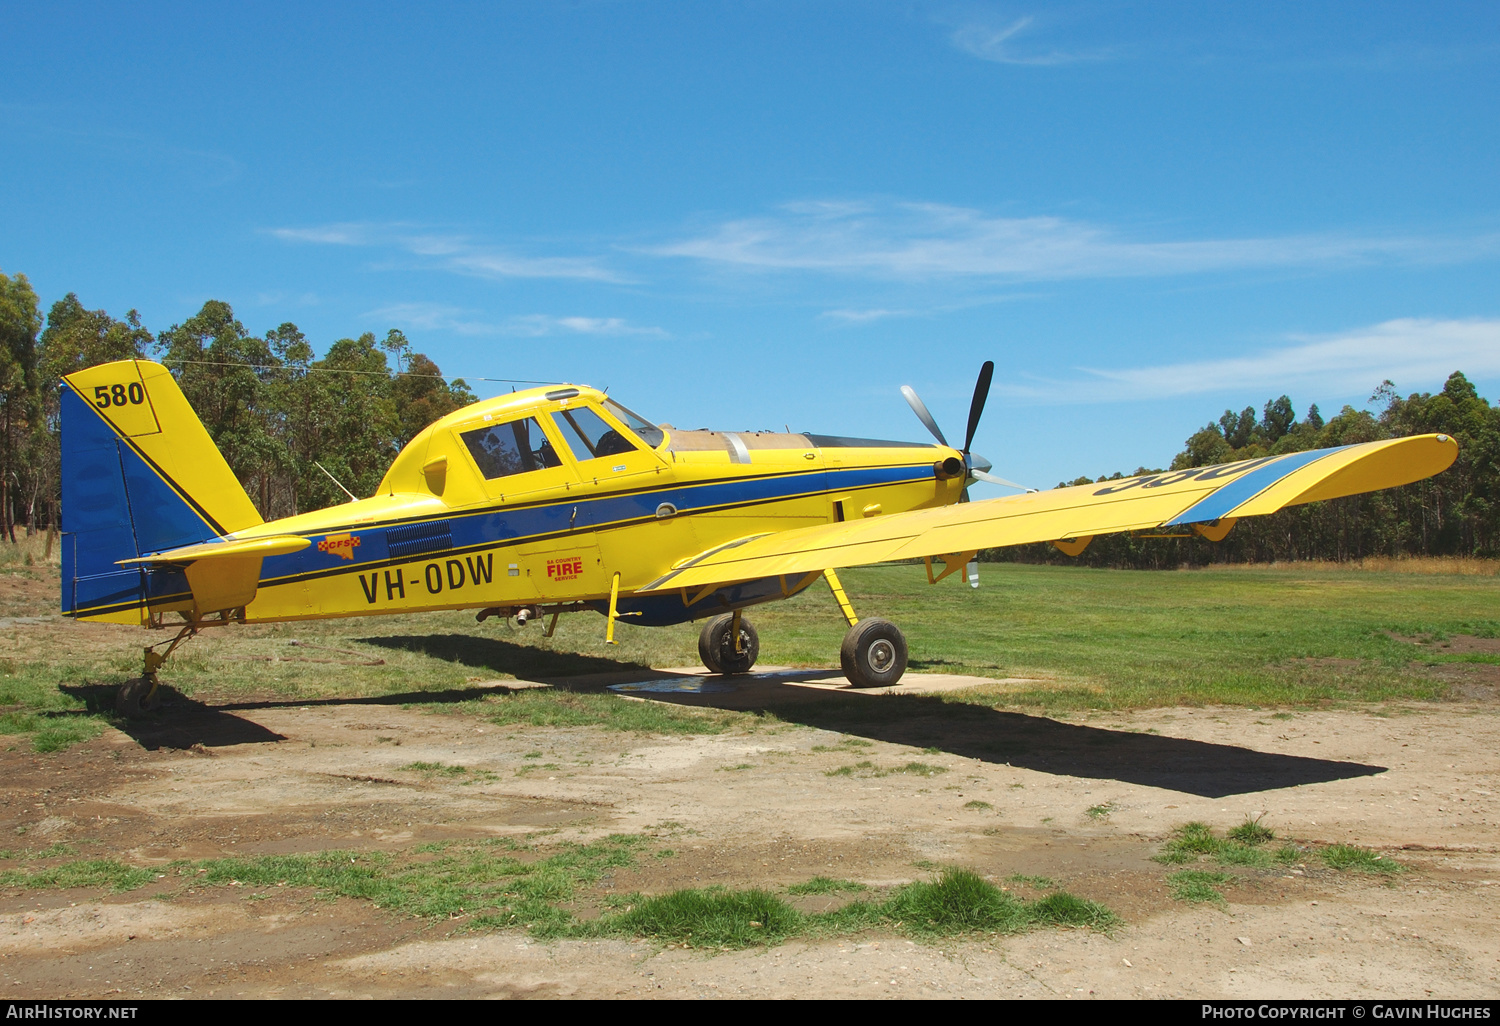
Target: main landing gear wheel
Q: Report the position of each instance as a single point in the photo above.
(716, 645)
(136, 697)
(873, 654)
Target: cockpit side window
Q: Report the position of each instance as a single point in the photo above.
(588, 434)
(501, 450)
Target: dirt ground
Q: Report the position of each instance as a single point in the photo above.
(202, 780)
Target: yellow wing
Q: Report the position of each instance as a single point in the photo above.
(1209, 497)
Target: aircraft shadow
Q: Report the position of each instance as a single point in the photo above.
(971, 731)
(1032, 742)
(504, 656)
(182, 722)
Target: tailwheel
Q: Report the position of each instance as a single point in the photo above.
(717, 647)
(137, 697)
(873, 654)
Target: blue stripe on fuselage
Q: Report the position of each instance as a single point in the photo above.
(556, 518)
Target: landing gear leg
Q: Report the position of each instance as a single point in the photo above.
(138, 697)
(728, 644)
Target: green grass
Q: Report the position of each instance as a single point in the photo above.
(867, 768)
(845, 745)
(1282, 637)
(39, 713)
(958, 902)
(1248, 846)
(918, 769)
(1350, 858)
(503, 884)
(1039, 882)
(486, 884)
(436, 767)
(1099, 811)
(1197, 885)
(91, 873)
(540, 707)
(849, 771)
(1252, 832)
(705, 918)
(978, 806)
(55, 850)
(1188, 843)
(825, 885)
(471, 776)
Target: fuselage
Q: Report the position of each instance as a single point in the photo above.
(539, 498)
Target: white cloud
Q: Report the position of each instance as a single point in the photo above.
(327, 235)
(1414, 353)
(926, 241)
(456, 253)
(1000, 45)
(542, 324)
(437, 317)
(432, 317)
(863, 316)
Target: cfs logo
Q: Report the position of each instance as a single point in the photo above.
(566, 569)
(340, 545)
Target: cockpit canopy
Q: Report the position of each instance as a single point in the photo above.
(483, 451)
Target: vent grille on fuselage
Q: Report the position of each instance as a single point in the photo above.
(415, 539)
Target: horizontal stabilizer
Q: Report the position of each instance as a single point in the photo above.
(276, 545)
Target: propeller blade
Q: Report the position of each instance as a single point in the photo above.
(920, 409)
(980, 475)
(981, 393)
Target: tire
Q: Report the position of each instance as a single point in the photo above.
(873, 654)
(135, 698)
(716, 647)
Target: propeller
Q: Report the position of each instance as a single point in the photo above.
(977, 466)
(976, 408)
(920, 409)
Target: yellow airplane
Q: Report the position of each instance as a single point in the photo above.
(560, 499)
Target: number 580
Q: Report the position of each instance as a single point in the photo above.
(106, 396)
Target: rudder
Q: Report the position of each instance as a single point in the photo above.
(139, 475)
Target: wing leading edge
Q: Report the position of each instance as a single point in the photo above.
(1205, 496)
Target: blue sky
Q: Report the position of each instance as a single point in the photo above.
(763, 214)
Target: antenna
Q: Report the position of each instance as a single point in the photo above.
(336, 481)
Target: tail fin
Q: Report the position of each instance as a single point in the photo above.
(139, 475)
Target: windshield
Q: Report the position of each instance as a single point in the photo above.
(648, 432)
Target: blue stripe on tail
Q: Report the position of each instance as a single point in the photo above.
(115, 506)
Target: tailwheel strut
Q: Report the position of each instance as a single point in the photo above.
(139, 696)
